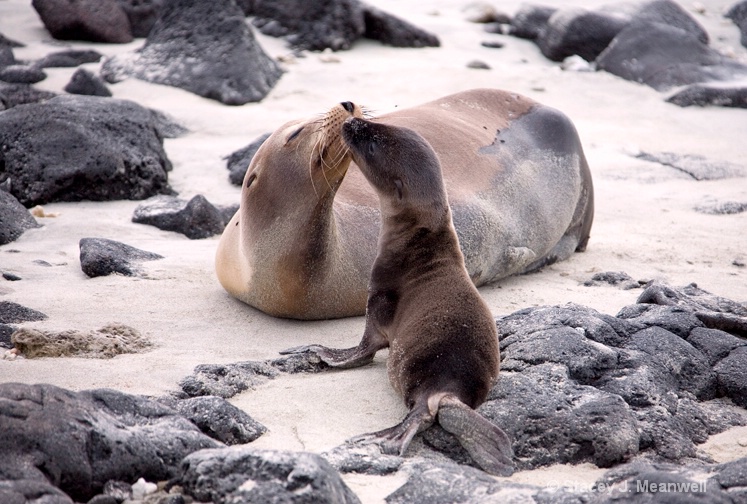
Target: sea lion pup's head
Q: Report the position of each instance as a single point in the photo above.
(400, 164)
(301, 163)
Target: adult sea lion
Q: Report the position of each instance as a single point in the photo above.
(304, 239)
(443, 342)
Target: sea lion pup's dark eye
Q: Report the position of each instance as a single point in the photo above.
(294, 134)
(251, 180)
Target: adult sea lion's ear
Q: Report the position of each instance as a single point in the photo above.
(398, 187)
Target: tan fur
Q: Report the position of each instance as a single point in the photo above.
(513, 212)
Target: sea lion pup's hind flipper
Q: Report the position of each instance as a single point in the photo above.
(486, 443)
(395, 440)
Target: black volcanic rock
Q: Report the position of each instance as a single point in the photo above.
(530, 21)
(68, 59)
(91, 20)
(77, 441)
(722, 94)
(101, 257)
(246, 474)
(12, 95)
(580, 386)
(196, 218)
(218, 418)
(316, 25)
(13, 313)
(738, 14)
(393, 31)
(142, 14)
(14, 218)
(22, 74)
(83, 82)
(72, 147)
(205, 48)
(312, 24)
(663, 56)
(579, 31)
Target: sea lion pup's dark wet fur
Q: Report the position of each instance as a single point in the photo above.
(443, 341)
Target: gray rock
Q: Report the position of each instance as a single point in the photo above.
(714, 344)
(738, 14)
(13, 313)
(15, 219)
(77, 441)
(434, 482)
(732, 375)
(6, 56)
(671, 13)
(226, 380)
(646, 482)
(721, 207)
(663, 56)
(245, 474)
(101, 257)
(586, 360)
(218, 419)
(313, 25)
(697, 167)
(12, 95)
(616, 278)
(90, 20)
(84, 82)
(674, 356)
(365, 459)
(5, 41)
(24, 491)
(579, 31)
(68, 59)
(196, 218)
(5, 332)
(22, 74)
(722, 94)
(72, 147)
(238, 162)
(530, 21)
(552, 419)
(142, 15)
(205, 48)
(322, 24)
(393, 31)
(713, 311)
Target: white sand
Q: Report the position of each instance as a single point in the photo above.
(645, 224)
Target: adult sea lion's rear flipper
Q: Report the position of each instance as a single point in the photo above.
(486, 443)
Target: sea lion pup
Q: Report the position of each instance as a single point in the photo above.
(304, 239)
(443, 341)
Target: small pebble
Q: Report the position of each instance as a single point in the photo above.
(492, 44)
(480, 65)
(11, 277)
(141, 488)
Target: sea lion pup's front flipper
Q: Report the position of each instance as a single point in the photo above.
(486, 443)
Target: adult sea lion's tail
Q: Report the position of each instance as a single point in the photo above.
(486, 443)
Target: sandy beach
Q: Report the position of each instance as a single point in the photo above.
(645, 222)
